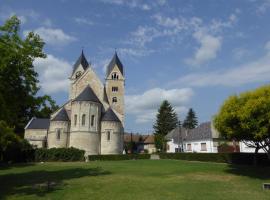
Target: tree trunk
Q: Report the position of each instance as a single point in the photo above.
(255, 156)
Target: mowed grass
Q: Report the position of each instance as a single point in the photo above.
(134, 179)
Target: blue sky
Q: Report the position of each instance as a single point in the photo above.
(193, 53)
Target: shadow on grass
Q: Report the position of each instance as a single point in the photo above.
(4, 166)
(42, 182)
(258, 172)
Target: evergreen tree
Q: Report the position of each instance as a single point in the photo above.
(191, 120)
(166, 120)
(18, 78)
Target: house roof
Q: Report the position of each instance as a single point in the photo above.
(61, 116)
(150, 139)
(202, 132)
(115, 61)
(137, 138)
(38, 123)
(109, 115)
(81, 60)
(87, 95)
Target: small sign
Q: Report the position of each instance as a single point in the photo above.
(266, 186)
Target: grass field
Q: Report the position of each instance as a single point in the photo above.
(135, 179)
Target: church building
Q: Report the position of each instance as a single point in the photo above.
(93, 117)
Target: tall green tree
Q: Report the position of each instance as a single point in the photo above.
(191, 120)
(246, 117)
(18, 79)
(166, 120)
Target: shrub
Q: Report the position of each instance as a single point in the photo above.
(119, 157)
(231, 158)
(59, 154)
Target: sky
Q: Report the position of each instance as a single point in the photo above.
(193, 53)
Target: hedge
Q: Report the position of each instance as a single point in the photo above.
(119, 157)
(231, 158)
(59, 154)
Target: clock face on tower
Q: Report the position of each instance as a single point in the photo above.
(78, 74)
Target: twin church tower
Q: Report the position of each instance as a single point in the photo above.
(93, 117)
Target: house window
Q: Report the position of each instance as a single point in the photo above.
(114, 76)
(114, 100)
(58, 134)
(92, 120)
(114, 89)
(75, 120)
(203, 147)
(108, 135)
(83, 119)
(188, 147)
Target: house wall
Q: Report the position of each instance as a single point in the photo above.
(36, 137)
(150, 148)
(195, 146)
(245, 149)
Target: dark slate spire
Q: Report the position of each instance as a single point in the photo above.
(61, 116)
(87, 95)
(115, 61)
(109, 115)
(81, 60)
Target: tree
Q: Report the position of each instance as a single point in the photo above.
(191, 120)
(245, 117)
(18, 79)
(166, 120)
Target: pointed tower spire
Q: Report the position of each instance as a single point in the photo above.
(81, 60)
(115, 61)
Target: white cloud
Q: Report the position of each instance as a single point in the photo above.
(53, 74)
(263, 7)
(82, 20)
(23, 15)
(130, 3)
(240, 53)
(251, 72)
(144, 106)
(209, 46)
(53, 36)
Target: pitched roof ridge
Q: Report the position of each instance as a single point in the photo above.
(61, 115)
(110, 115)
(87, 94)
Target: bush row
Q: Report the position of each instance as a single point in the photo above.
(119, 157)
(231, 158)
(59, 154)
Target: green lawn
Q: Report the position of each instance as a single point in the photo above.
(135, 179)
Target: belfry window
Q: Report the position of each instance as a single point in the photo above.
(114, 89)
(114, 100)
(58, 134)
(75, 120)
(108, 135)
(114, 76)
(92, 120)
(83, 119)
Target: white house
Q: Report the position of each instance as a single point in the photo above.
(202, 139)
(245, 149)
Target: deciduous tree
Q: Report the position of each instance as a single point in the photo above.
(246, 117)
